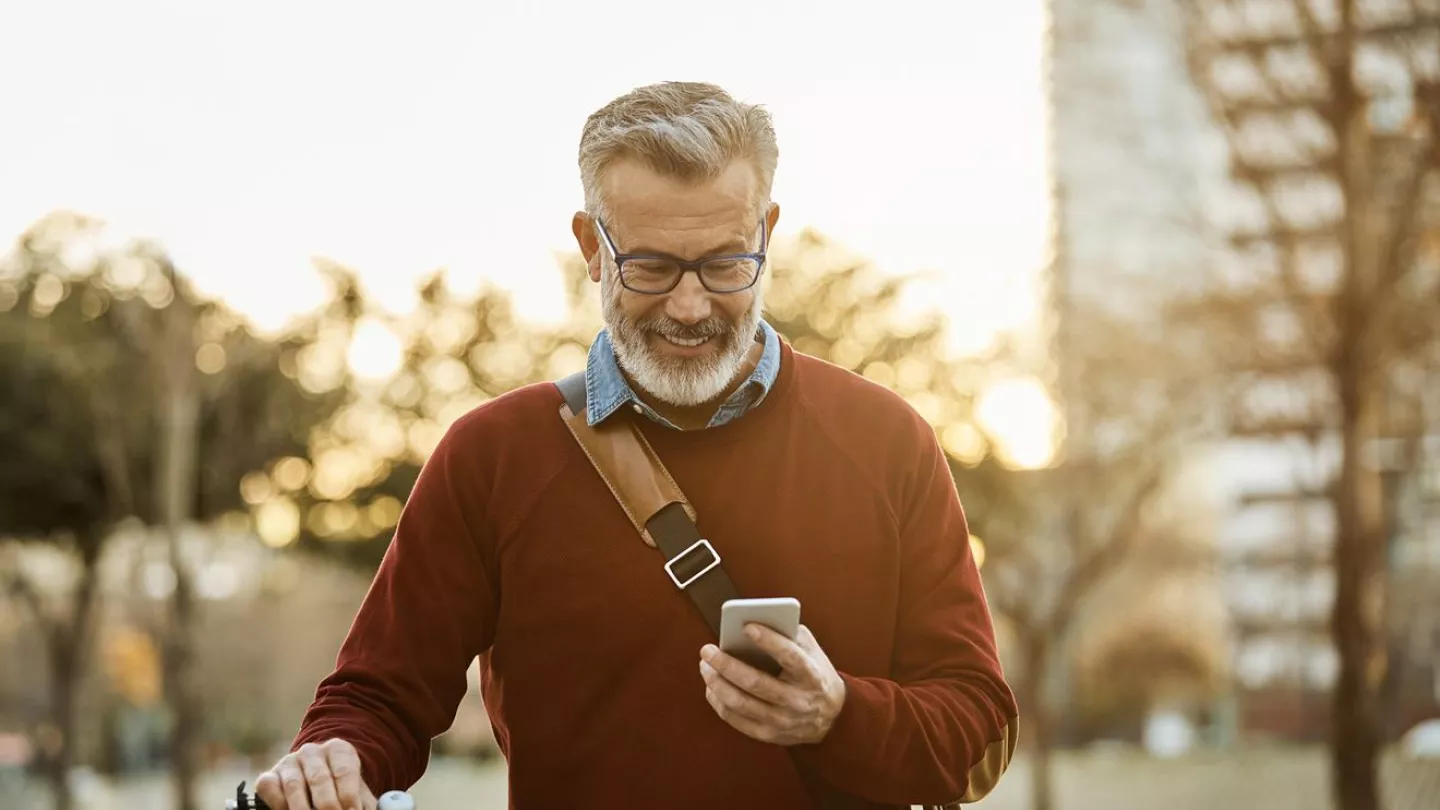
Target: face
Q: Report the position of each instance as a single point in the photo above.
(685, 347)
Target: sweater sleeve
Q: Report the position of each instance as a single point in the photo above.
(401, 671)
(944, 728)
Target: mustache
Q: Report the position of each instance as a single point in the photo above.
(713, 327)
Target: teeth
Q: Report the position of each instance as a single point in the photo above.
(690, 343)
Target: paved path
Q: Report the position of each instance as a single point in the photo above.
(1269, 780)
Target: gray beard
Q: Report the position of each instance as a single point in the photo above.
(678, 381)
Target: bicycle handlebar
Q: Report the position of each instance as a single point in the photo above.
(390, 800)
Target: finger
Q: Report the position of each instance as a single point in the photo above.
(292, 782)
(318, 777)
(367, 799)
(738, 701)
(270, 791)
(795, 661)
(760, 684)
(739, 722)
(344, 765)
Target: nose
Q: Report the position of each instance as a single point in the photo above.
(689, 302)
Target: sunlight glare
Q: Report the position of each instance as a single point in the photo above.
(1020, 415)
(278, 522)
(375, 351)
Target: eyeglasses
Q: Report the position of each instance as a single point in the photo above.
(651, 274)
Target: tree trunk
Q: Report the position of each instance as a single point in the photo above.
(64, 683)
(1356, 620)
(179, 444)
(1038, 736)
(180, 687)
(67, 645)
(1358, 370)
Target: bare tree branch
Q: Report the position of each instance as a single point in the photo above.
(1320, 235)
(1315, 322)
(1105, 557)
(1385, 33)
(1310, 29)
(111, 450)
(1401, 249)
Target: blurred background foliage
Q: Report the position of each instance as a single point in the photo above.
(1212, 560)
(308, 441)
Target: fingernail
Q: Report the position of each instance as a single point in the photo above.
(753, 632)
(708, 651)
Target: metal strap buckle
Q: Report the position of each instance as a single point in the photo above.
(701, 543)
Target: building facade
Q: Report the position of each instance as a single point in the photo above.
(1144, 214)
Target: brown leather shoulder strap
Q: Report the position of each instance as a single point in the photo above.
(658, 510)
(630, 468)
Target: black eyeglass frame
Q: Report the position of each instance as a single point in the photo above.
(684, 265)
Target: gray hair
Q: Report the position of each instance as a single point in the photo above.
(690, 131)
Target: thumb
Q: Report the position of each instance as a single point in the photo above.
(807, 642)
(810, 645)
(805, 638)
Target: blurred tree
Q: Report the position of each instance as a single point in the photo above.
(458, 352)
(450, 354)
(843, 309)
(1331, 111)
(52, 490)
(1147, 665)
(125, 380)
(1136, 404)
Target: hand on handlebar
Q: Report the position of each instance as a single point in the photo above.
(391, 800)
(316, 777)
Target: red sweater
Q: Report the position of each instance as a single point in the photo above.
(511, 548)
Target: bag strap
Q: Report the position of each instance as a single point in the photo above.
(653, 501)
(665, 520)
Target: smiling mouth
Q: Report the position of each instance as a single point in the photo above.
(686, 343)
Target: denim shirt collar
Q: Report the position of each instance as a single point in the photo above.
(607, 390)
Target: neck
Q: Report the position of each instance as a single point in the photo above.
(696, 417)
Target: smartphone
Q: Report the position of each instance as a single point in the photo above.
(781, 614)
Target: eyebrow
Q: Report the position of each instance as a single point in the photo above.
(728, 247)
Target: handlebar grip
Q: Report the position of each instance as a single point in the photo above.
(244, 801)
(390, 800)
(396, 800)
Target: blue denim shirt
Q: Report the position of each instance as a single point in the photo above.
(607, 390)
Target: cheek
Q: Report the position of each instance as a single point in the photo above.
(735, 308)
(638, 308)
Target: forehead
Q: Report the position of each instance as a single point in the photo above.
(650, 211)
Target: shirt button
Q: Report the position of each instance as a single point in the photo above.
(637, 408)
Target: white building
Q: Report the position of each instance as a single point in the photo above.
(1140, 178)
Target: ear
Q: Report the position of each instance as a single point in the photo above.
(771, 218)
(588, 241)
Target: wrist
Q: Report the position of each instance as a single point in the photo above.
(835, 693)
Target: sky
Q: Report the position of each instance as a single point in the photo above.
(250, 139)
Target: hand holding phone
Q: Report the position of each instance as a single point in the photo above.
(781, 614)
(798, 708)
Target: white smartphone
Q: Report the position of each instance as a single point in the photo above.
(781, 614)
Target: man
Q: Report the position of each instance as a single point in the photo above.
(603, 682)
